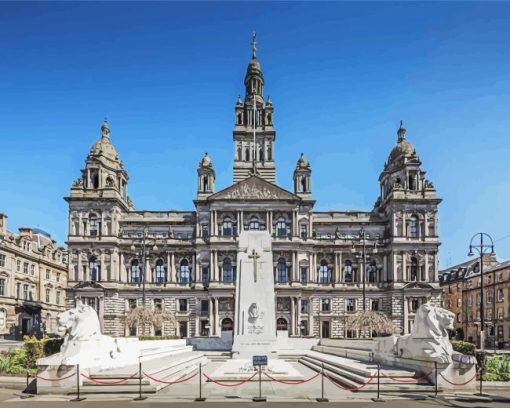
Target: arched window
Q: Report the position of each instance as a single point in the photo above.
(254, 223)
(414, 269)
(227, 228)
(93, 269)
(412, 227)
(239, 154)
(348, 272)
(303, 184)
(281, 227)
(324, 272)
(282, 270)
(281, 324)
(95, 181)
(227, 270)
(206, 183)
(184, 272)
(135, 271)
(160, 271)
(269, 153)
(372, 271)
(247, 154)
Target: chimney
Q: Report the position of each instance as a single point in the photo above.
(3, 224)
(25, 232)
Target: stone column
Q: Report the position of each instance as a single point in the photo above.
(406, 313)
(404, 268)
(111, 276)
(171, 269)
(241, 227)
(425, 225)
(78, 272)
(385, 268)
(270, 225)
(194, 271)
(217, 315)
(292, 318)
(310, 317)
(211, 317)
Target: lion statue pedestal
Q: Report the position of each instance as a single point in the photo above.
(84, 345)
(428, 347)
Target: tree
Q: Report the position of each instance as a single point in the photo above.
(370, 320)
(146, 317)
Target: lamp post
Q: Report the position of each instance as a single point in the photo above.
(144, 258)
(483, 247)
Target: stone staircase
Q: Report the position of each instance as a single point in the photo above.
(173, 367)
(352, 373)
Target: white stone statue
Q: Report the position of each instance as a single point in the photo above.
(85, 345)
(426, 345)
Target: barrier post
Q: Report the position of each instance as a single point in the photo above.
(24, 394)
(200, 398)
(322, 399)
(260, 398)
(78, 398)
(378, 399)
(140, 396)
(435, 378)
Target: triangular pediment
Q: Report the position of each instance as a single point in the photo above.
(254, 188)
(88, 285)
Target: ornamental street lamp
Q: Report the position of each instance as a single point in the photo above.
(486, 246)
(363, 256)
(145, 252)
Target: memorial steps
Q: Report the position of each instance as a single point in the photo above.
(353, 374)
(169, 367)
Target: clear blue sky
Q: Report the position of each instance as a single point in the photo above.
(340, 75)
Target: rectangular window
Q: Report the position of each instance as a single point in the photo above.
(58, 277)
(131, 304)
(57, 298)
(304, 231)
(205, 274)
(351, 305)
(18, 290)
(183, 305)
(374, 303)
(47, 295)
(2, 260)
(501, 296)
(205, 231)
(204, 306)
(25, 267)
(25, 292)
(304, 305)
(158, 304)
(303, 271)
(2, 287)
(18, 266)
(32, 269)
(326, 305)
(48, 274)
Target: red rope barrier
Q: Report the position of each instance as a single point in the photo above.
(351, 389)
(170, 382)
(53, 379)
(409, 380)
(230, 385)
(108, 382)
(291, 382)
(464, 383)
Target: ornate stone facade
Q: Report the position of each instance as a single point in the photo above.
(33, 278)
(325, 263)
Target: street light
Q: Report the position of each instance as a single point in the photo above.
(482, 248)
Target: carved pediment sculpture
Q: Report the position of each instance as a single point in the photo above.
(254, 188)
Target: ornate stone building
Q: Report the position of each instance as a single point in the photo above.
(33, 278)
(325, 263)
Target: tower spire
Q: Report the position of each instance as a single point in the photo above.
(401, 132)
(254, 45)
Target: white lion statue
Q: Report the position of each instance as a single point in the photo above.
(85, 345)
(428, 339)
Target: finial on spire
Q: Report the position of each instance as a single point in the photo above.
(254, 45)
(401, 132)
(105, 129)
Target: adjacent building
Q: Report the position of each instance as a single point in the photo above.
(33, 279)
(462, 295)
(327, 265)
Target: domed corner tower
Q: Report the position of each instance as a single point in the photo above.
(410, 203)
(97, 201)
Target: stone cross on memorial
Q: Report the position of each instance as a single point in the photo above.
(254, 256)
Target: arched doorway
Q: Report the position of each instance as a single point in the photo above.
(281, 324)
(227, 325)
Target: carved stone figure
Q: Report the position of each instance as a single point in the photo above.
(253, 313)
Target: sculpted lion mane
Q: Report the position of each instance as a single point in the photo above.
(428, 339)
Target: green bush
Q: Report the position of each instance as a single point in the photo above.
(464, 347)
(35, 349)
(497, 368)
(146, 337)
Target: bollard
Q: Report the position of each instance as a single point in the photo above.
(140, 396)
(260, 398)
(25, 393)
(322, 399)
(200, 398)
(435, 378)
(78, 398)
(378, 399)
